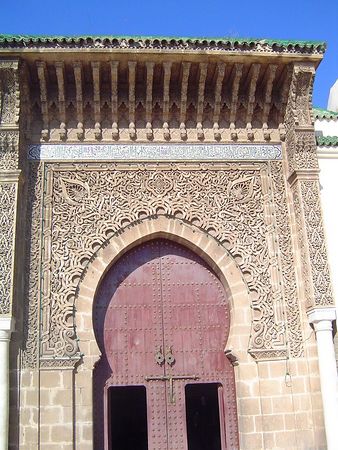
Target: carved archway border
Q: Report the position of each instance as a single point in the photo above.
(234, 203)
(192, 237)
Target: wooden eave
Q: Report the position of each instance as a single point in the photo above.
(181, 94)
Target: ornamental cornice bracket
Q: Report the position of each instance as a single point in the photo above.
(300, 96)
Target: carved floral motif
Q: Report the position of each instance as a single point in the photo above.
(9, 154)
(316, 243)
(7, 233)
(32, 263)
(287, 263)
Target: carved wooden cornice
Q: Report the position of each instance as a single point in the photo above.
(155, 99)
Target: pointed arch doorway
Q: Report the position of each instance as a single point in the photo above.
(161, 319)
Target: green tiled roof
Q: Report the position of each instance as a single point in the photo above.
(327, 141)
(321, 113)
(225, 43)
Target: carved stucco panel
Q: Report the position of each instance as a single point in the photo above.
(85, 204)
(303, 151)
(9, 90)
(302, 91)
(316, 243)
(287, 261)
(303, 245)
(33, 234)
(8, 194)
(9, 149)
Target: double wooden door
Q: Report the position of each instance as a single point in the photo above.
(161, 319)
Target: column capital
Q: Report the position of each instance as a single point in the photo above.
(322, 318)
(316, 315)
(7, 324)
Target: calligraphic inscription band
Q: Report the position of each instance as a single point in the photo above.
(147, 152)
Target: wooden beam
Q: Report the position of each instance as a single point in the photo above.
(253, 76)
(96, 98)
(41, 70)
(203, 69)
(270, 76)
(77, 67)
(218, 98)
(131, 78)
(284, 92)
(149, 99)
(166, 98)
(114, 67)
(59, 67)
(184, 95)
(238, 70)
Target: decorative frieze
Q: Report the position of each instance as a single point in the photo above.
(148, 152)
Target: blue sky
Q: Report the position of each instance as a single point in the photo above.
(288, 19)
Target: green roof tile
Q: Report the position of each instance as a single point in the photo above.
(327, 141)
(321, 113)
(171, 42)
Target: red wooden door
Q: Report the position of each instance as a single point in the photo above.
(161, 319)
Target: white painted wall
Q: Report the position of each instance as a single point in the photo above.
(333, 98)
(328, 164)
(329, 127)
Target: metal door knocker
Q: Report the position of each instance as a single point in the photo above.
(169, 357)
(159, 357)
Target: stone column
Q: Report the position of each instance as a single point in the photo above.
(9, 185)
(6, 328)
(321, 319)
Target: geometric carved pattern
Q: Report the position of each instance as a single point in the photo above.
(86, 204)
(7, 233)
